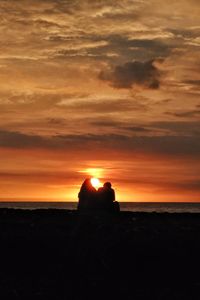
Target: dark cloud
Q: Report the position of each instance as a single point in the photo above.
(20, 140)
(185, 114)
(172, 128)
(192, 82)
(126, 48)
(137, 129)
(125, 76)
(118, 50)
(189, 128)
(185, 33)
(157, 45)
(56, 121)
(120, 125)
(182, 145)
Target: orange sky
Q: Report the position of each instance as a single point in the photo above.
(106, 88)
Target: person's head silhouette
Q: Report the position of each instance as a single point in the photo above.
(107, 185)
(87, 185)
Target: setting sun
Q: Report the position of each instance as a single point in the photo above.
(95, 182)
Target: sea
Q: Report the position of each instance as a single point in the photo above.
(159, 207)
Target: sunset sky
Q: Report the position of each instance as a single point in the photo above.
(104, 88)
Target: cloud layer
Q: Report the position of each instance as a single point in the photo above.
(92, 75)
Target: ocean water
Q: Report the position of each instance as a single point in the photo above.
(125, 206)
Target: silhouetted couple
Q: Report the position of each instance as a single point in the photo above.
(92, 200)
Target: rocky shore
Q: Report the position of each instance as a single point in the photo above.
(60, 254)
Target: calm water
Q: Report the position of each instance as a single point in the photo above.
(125, 206)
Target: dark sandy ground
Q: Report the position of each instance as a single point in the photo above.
(59, 254)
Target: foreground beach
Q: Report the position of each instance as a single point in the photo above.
(59, 254)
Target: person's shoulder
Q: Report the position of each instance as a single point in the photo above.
(100, 189)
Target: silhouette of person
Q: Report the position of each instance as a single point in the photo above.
(87, 196)
(107, 198)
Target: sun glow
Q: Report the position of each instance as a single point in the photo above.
(94, 172)
(95, 182)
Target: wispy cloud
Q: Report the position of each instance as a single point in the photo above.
(92, 75)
